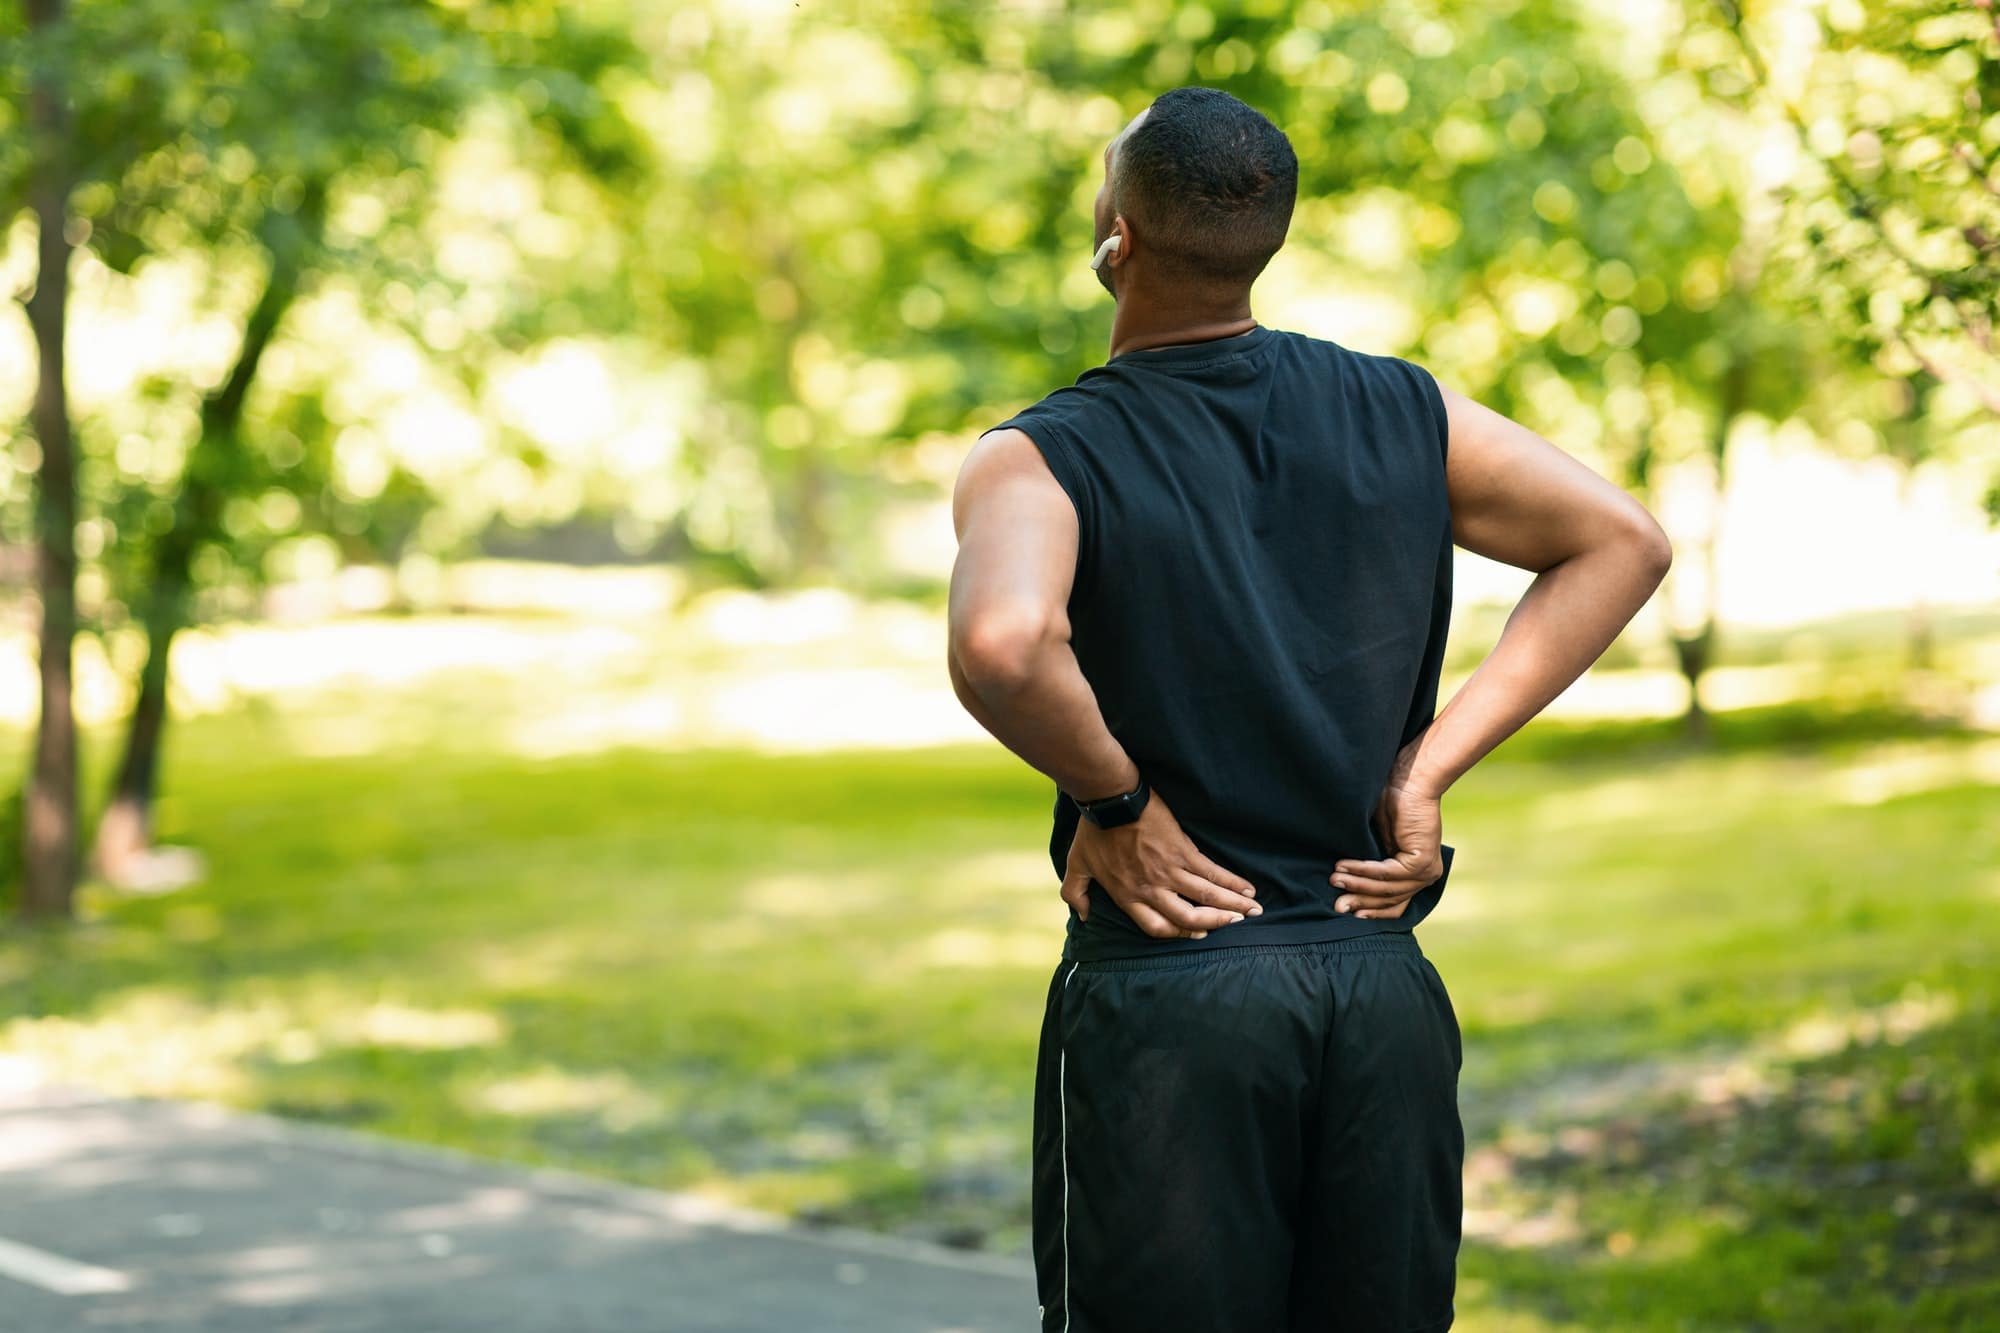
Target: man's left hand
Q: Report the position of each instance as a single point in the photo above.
(1156, 875)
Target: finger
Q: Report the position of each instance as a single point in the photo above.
(1150, 921)
(1214, 873)
(1387, 912)
(1349, 902)
(1405, 865)
(1188, 916)
(1192, 886)
(1370, 870)
(1076, 889)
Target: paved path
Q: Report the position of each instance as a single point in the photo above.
(139, 1214)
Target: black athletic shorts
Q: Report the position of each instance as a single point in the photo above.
(1249, 1139)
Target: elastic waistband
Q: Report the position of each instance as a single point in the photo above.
(1385, 941)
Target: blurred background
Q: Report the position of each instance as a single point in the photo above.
(474, 527)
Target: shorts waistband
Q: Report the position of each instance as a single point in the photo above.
(1386, 941)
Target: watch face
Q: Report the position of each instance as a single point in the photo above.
(1114, 811)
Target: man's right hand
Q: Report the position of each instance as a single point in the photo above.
(1156, 875)
(1410, 822)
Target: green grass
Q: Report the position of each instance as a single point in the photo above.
(1729, 1014)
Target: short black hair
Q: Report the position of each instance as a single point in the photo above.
(1210, 183)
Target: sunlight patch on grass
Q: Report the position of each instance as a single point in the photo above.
(1742, 1079)
(744, 935)
(1627, 798)
(804, 710)
(153, 1042)
(1829, 1031)
(1025, 870)
(413, 1029)
(1513, 1230)
(963, 948)
(612, 1097)
(1758, 686)
(520, 964)
(1658, 692)
(798, 896)
(741, 619)
(1912, 768)
(599, 721)
(783, 1192)
(387, 652)
(1513, 1008)
(156, 1041)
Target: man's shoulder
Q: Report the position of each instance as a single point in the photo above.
(1367, 363)
(1068, 407)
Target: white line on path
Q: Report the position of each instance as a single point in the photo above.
(52, 1272)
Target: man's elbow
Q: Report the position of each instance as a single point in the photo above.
(1000, 648)
(1650, 547)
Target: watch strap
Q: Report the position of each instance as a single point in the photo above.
(1116, 811)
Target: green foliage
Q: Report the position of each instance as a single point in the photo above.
(1888, 175)
(834, 240)
(874, 256)
(284, 147)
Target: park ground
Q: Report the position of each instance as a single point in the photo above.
(1729, 1010)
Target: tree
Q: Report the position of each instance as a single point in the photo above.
(235, 132)
(50, 804)
(1896, 199)
(1888, 180)
(352, 101)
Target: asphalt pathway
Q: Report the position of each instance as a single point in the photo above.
(120, 1213)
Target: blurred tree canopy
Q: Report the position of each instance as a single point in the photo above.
(1895, 205)
(397, 280)
(271, 150)
(827, 236)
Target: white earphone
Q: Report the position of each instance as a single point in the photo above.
(1111, 242)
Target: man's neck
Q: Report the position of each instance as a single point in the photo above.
(1143, 322)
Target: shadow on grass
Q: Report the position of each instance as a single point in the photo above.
(1805, 726)
(1857, 1189)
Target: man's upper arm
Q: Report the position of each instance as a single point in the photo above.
(1017, 536)
(1518, 499)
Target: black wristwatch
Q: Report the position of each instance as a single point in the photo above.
(1113, 811)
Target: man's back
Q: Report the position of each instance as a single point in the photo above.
(1260, 602)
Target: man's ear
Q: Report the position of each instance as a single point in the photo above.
(1121, 232)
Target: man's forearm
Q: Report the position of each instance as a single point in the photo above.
(1567, 618)
(1046, 713)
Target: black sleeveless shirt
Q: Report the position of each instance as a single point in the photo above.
(1262, 588)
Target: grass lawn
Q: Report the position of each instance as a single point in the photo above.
(1729, 1015)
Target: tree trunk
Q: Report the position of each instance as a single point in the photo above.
(1696, 652)
(1919, 631)
(125, 832)
(1691, 652)
(812, 546)
(49, 810)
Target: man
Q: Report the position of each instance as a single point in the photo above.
(1205, 590)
